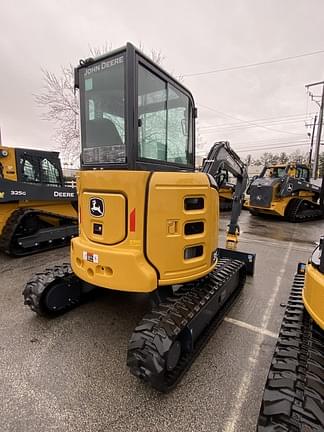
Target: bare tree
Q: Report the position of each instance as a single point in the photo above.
(60, 104)
(282, 158)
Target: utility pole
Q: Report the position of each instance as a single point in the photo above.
(312, 142)
(319, 127)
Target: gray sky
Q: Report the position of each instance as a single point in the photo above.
(194, 37)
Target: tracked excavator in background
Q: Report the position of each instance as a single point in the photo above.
(148, 222)
(293, 398)
(285, 191)
(37, 211)
(226, 187)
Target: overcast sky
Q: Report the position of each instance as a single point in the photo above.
(194, 36)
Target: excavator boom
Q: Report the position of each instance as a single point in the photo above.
(222, 157)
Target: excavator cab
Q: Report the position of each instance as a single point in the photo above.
(134, 115)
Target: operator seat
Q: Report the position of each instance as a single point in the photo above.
(103, 132)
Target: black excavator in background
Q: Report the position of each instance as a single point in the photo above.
(221, 161)
(37, 210)
(285, 191)
(226, 187)
(149, 221)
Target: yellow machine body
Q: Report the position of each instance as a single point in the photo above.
(8, 171)
(161, 228)
(148, 223)
(313, 294)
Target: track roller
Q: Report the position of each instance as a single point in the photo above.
(167, 340)
(54, 291)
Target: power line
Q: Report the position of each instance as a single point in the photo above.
(265, 149)
(270, 148)
(270, 145)
(280, 119)
(215, 129)
(247, 121)
(274, 141)
(249, 65)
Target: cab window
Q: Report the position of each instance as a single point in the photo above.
(50, 173)
(165, 130)
(29, 170)
(275, 172)
(303, 173)
(103, 87)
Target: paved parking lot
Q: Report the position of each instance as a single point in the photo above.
(70, 374)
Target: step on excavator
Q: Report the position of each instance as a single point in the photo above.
(226, 187)
(293, 398)
(285, 191)
(148, 221)
(37, 210)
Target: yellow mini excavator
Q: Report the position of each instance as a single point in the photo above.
(37, 211)
(148, 221)
(293, 398)
(285, 191)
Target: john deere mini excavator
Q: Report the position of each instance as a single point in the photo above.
(285, 191)
(148, 221)
(37, 211)
(293, 399)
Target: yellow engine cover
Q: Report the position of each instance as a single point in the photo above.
(313, 294)
(139, 230)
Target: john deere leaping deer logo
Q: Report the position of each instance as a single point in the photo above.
(97, 207)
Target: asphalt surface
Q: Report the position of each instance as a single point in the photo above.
(70, 374)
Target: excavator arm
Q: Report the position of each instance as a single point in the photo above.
(222, 157)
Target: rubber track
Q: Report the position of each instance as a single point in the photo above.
(6, 237)
(156, 332)
(35, 289)
(293, 215)
(293, 398)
